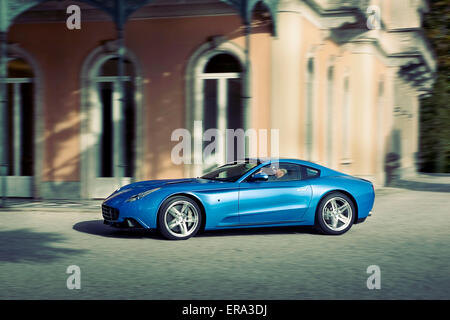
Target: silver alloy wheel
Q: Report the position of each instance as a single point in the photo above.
(337, 214)
(181, 218)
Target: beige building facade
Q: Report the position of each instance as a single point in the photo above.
(339, 80)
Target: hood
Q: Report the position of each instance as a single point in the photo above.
(145, 185)
(154, 183)
(137, 187)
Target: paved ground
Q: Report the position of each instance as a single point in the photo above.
(407, 237)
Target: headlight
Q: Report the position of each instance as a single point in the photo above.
(141, 195)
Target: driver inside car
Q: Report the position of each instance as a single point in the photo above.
(273, 172)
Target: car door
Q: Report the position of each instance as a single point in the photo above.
(280, 199)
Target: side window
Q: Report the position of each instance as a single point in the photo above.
(309, 173)
(282, 172)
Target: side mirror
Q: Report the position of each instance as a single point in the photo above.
(259, 177)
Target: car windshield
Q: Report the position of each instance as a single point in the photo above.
(230, 172)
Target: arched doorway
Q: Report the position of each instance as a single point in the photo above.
(20, 113)
(222, 105)
(110, 126)
(216, 86)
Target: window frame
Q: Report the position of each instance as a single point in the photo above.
(302, 172)
(304, 177)
(257, 165)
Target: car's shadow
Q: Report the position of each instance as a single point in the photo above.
(96, 227)
(258, 231)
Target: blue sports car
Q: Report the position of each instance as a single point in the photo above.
(242, 194)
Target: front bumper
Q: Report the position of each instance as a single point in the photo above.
(113, 218)
(128, 223)
(110, 213)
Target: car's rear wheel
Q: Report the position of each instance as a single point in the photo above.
(335, 214)
(179, 218)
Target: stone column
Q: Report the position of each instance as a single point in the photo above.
(415, 117)
(3, 117)
(363, 95)
(286, 86)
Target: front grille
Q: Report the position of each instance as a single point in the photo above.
(110, 213)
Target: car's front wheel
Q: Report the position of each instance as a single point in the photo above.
(335, 214)
(179, 218)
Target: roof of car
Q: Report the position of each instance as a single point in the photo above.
(264, 160)
(324, 170)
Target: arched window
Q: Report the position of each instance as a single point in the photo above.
(223, 63)
(221, 105)
(309, 108)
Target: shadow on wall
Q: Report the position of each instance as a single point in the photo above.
(24, 245)
(61, 136)
(392, 160)
(393, 178)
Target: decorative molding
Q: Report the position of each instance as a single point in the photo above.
(155, 10)
(11, 9)
(110, 46)
(216, 41)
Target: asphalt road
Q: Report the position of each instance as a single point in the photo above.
(407, 238)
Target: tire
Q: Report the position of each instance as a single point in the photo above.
(335, 214)
(179, 218)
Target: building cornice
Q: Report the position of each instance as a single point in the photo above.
(407, 49)
(57, 14)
